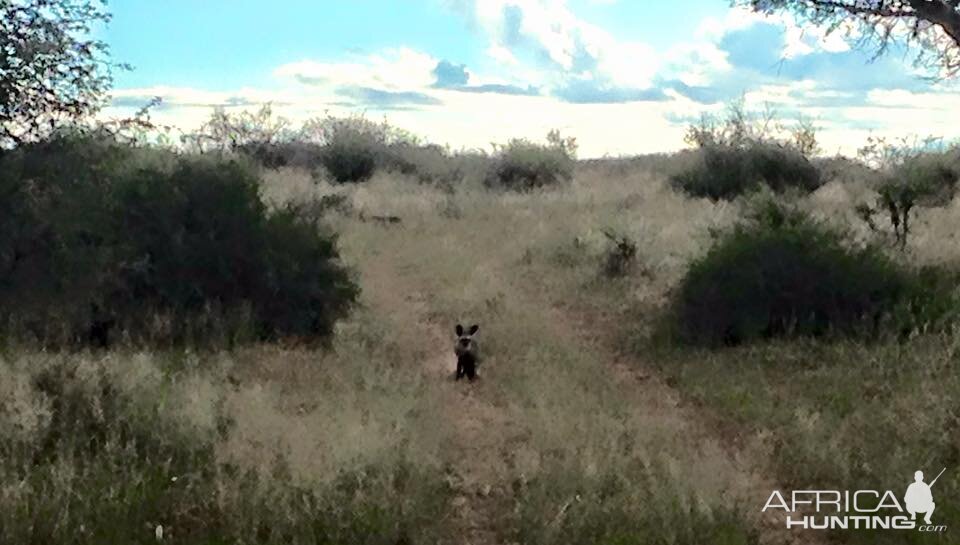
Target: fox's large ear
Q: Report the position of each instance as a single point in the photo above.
(459, 330)
(474, 328)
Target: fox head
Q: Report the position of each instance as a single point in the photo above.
(464, 343)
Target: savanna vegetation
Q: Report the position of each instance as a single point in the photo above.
(242, 335)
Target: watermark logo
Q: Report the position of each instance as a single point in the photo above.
(859, 509)
(919, 498)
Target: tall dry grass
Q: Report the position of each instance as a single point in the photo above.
(812, 415)
(359, 444)
(583, 458)
(261, 445)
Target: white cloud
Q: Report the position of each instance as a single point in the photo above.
(394, 69)
(465, 120)
(773, 95)
(476, 121)
(566, 40)
(695, 63)
(502, 55)
(712, 29)
(800, 39)
(936, 101)
(549, 23)
(805, 39)
(628, 64)
(187, 97)
(699, 61)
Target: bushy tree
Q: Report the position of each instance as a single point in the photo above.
(259, 134)
(51, 70)
(740, 152)
(351, 147)
(912, 175)
(99, 239)
(522, 165)
(781, 273)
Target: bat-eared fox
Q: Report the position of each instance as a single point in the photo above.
(467, 351)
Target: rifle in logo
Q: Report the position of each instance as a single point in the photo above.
(918, 498)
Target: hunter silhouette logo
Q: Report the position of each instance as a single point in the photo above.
(858, 509)
(919, 499)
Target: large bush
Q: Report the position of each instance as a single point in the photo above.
(521, 165)
(352, 150)
(725, 172)
(784, 274)
(432, 164)
(743, 151)
(99, 239)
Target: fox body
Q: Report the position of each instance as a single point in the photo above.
(467, 351)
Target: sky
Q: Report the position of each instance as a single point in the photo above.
(622, 76)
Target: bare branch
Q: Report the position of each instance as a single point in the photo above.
(933, 26)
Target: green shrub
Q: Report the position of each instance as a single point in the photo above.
(741, 151)
(521, 165)
(932, 177)
(346, 149)
(726, 172)
(843, 169)
(55, 234)
(921, 180)
(99, 237)
(350, 157)
(353, 148)
(784, 274)
(305, 155)
(430, 164)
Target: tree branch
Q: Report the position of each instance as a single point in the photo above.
(933, 25)
(880, 10)
(943, 14)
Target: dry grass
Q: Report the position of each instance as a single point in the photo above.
(565, 438)
(262, 445)
(505, 260)
(585, 457)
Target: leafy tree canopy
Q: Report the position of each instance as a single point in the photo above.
(51, 67)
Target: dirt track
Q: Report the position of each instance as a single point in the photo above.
(484, 435)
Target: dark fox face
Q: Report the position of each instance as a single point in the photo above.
(464, 342)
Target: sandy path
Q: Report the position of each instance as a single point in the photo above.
(476, 471)
(474, 460)
(481, 440)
